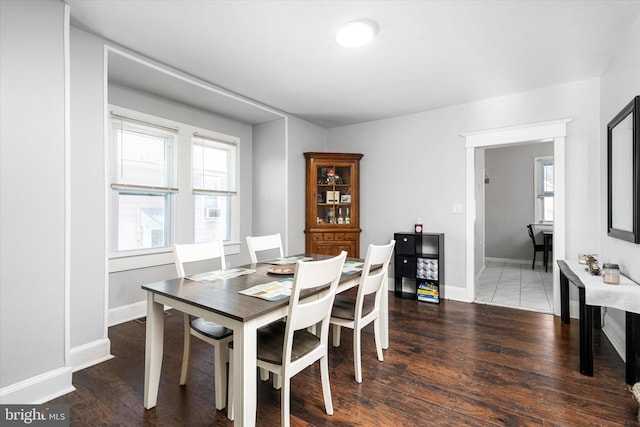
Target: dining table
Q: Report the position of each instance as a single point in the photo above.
(220, 301)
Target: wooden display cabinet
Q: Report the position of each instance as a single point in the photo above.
(333, 203)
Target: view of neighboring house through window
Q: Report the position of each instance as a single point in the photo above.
(171, 182)
(142, 179)
(214, 187)
(543, 192)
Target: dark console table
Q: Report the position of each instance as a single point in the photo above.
(593, 294)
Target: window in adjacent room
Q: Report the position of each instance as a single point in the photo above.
(143, 172)
(543, 191)
(214, 170)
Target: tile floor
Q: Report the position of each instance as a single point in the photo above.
(516, 285)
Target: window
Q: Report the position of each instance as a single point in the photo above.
(150, 159)
(214, 188)
(142, 180)
(543, 192)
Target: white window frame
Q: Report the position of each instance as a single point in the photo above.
(538, 188)
(124, 188)
(181, 206)
(217, 138)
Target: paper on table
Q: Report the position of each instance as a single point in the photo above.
(212, 276)
(286, 260)
(351, 267)
(271, 291)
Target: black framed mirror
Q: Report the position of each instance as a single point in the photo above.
(623, 174)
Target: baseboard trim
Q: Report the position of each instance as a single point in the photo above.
(514, 261)
(129, 312)
(574, 309)
(126, 313)
(457, 294)
(39, 389)
(90, 354)
(616, 333)
(482, 270)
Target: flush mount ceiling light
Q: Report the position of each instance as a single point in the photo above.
(356, 33)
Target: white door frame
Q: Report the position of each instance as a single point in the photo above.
(555, 131)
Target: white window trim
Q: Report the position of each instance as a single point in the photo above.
(153, 124)
(113, 254)
(225, 139)
(537, 193)
(130, 260)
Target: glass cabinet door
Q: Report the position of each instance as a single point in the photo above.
(333, 204)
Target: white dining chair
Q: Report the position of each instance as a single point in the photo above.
(264, 243)
(358, 313)
(273, 244)
(279, 352)
(212, 333)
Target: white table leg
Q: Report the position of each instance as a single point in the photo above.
(153, 351)
(244, 374)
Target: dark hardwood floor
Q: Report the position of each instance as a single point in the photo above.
(447, 365)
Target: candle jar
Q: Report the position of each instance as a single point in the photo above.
(611, 274)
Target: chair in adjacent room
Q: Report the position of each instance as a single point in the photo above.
(286, 348)
(264, 243)
(216, 335)
(365, 308)
(537, 247)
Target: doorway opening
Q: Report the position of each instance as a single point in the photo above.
(476, 143)
(518, 195)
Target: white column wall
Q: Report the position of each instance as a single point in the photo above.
(33, 198)
(89, 339)
(303, 137)
(269, 180)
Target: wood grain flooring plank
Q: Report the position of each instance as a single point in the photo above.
(450, 364)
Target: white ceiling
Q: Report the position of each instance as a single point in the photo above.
(428, 54)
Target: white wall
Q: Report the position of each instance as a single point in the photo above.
(33, 197)
(414, 165)
(303, 137)
(89, 339)
(269, 180)
(620, 84)
(509, 203)
(279, 178)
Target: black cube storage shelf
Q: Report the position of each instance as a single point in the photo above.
(420, 258)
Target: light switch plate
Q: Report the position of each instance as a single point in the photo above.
(457, 208)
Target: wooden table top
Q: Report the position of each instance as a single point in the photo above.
(223, 297)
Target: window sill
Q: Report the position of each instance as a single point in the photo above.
(134, 262)
(543, 226)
